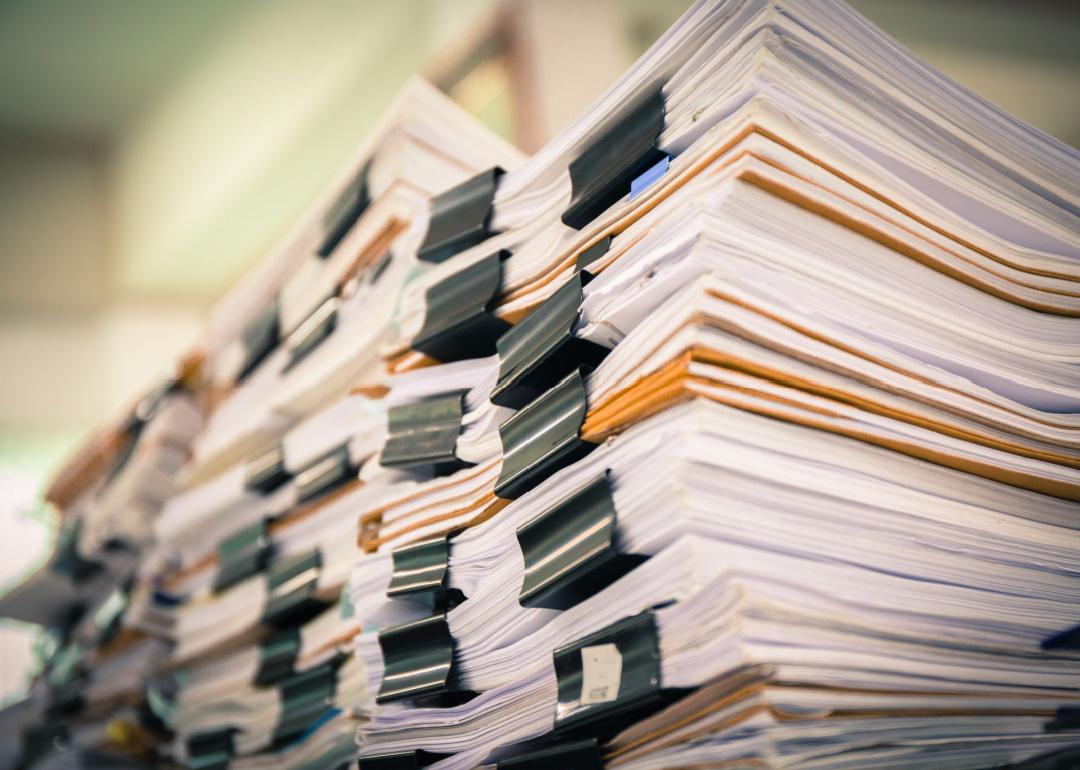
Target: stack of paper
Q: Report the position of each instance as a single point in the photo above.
(818, 305)
(89, 701)
(738, 427)
(239, 538)
(252, 556)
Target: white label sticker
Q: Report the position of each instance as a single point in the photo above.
(601, 673)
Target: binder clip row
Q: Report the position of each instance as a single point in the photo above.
(568, 755)
(624, 149)
(538, 352)
(331, 471)
(458, 323)
(569, 550)
(425, 434)
(292, 585)
(350, 204)
(312, 332)
(610, 678)
(211, 750)
(305, 697)
(267, 472)
(243, 554)
(277, 656)
(460, 217)
(418, 662)
(543, 437)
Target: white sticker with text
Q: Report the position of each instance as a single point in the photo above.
(601, 673)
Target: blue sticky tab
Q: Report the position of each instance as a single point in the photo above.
(650, 176)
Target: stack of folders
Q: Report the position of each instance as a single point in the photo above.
(252, 556)
(739, 427)
(213, 632)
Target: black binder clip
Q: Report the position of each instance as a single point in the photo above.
(593, 253)
(569, 550)
(260, 338)
(67, 679)
(399, 760)
(539, 351)
(1066, 719)
(68, 698)
(110, 613)
(610, 678)
(332, 470)
(459, 323)
(543, 437)
(68, 561)
(304, 698)
(584, 754)
(418, 659)
(1069, 639)
(421, 570)
(425, 434)
(344, 212)
(460, 217)
(277, 656)
(41, 740)
(150, 404)
(242, 554)
(293, 582)
(267, 472)
(312, 332)
(211, 750)
(623, 150)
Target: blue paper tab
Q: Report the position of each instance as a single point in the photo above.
(650, 176)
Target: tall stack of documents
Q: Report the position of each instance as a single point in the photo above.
(738, 427)
(221, 528)
(253, 555)
(753, 416)
(88, 707)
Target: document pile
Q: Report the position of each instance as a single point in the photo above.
(88, 707)
(216, 539)
(753, 419)
(739, 427)
(252, 556)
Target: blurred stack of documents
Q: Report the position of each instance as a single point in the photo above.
(252, 556)
(226, 520)
(87, 706)
(739, 427)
